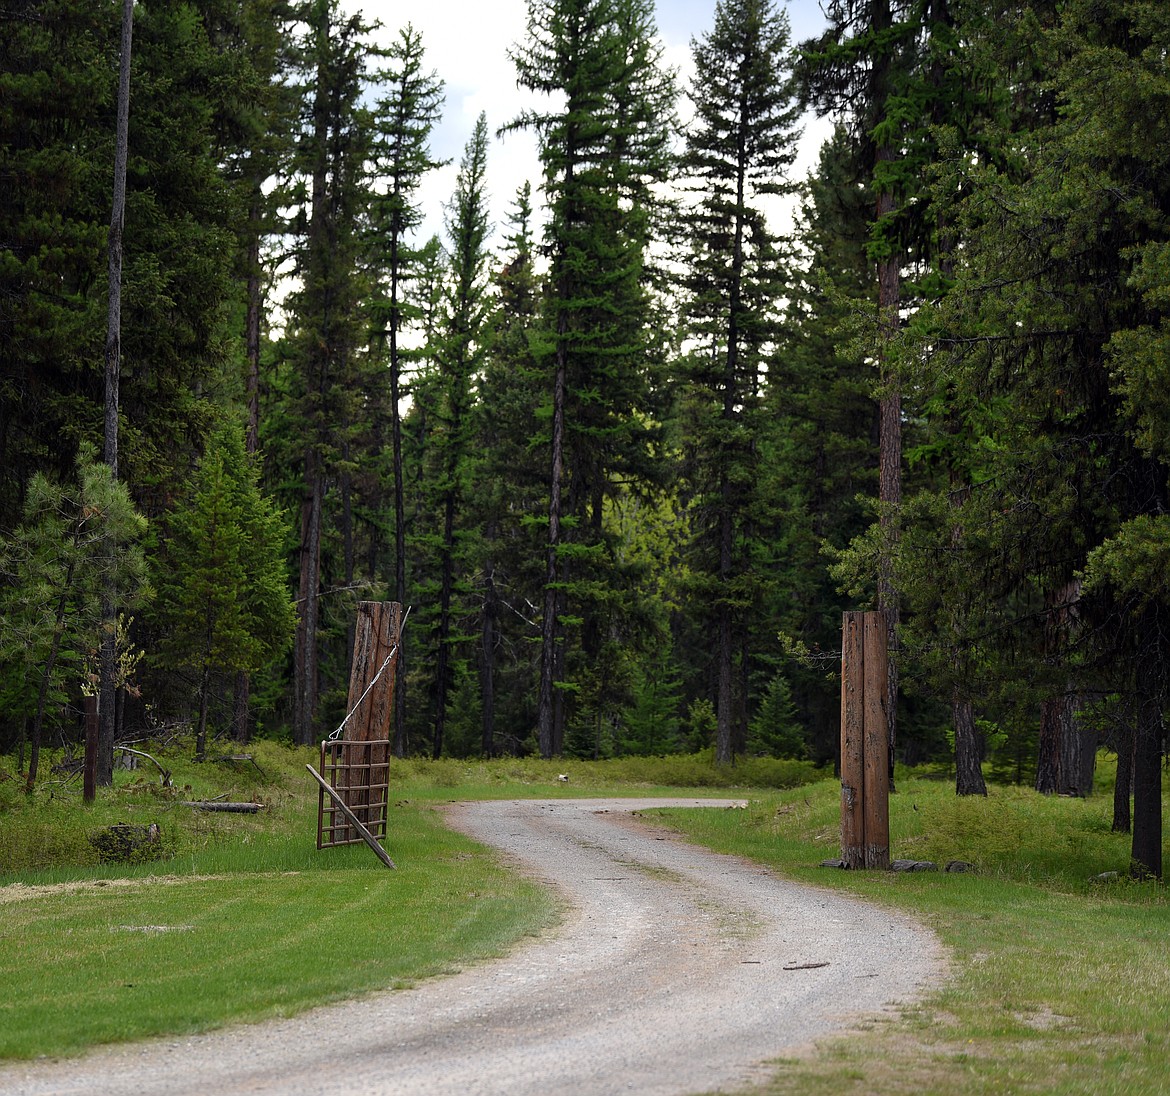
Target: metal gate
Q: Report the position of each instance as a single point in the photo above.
(359, 772)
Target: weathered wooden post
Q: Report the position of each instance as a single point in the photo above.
(371, 706)
(356, 757)
(865, 781)
(378, 629)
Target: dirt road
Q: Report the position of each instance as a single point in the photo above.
(676, 971)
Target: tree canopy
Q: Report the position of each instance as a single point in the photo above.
(631, 453)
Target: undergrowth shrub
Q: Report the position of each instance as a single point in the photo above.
(675, 771)
(1017, 833)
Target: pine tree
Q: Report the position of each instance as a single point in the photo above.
(408, 113)
(738, 151)
(823, 417)
(1058, 296)
(335, 149)
(76, 547)
(55, 157)
(174, 354)
(260, 147)
(460, 350)
(864, 64)
(224, 602)
(602, 145)
(506, 500)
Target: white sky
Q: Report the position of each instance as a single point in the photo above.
(467, 42)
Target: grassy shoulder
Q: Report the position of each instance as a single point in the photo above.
(244, 919)
(1059, 985)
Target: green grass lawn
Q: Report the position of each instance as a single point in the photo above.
(244, 920)
(1059, 984)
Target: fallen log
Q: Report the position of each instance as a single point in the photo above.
(217, 805)
(166, 773)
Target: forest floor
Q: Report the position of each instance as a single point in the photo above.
(673, 970)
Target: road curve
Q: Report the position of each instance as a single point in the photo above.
(676, 971)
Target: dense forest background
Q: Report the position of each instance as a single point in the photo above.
(628, 455)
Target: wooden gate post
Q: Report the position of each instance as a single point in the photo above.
(377, 631)
(371, 705)
(865, 782)
(852, 739)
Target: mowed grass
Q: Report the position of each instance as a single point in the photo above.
(245, 920)
(1058, 984)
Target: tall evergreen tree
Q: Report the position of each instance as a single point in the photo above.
(59, 65)
(738, 152)
(509, 478)
(460, 351)
(604, 141)
(108, 654)
(408, 112)
(334, 153)
(891, 69)
(76, 549)
(223, 595)
(256, 148)
(819, 399)
(175, 353)
(1059, 293)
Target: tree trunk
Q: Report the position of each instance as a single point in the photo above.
(889, 462)
(548, 627)
(968, 748)
(201, 729)
(400, 744)
(487, 665)
(242, 692)
(559, 696)
(42, 699)
(724, 708)
(108, 652)
(1058, 732)
(890, 404)
(1048, 767)
(1146, 854)
(1078, 752)
(724, 652)
(1123, 788)
(305, 655)
(252, 322)
(446, 585)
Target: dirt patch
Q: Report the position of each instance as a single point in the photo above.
(25, 892)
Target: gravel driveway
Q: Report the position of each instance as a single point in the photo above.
(676, 970)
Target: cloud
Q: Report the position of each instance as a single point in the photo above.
(467, 44)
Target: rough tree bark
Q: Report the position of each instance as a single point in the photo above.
(487, 666)
(108, 654)
(1123, 788)
(242, 691)
(968, 748)
(548, 627)
(1146, 848)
